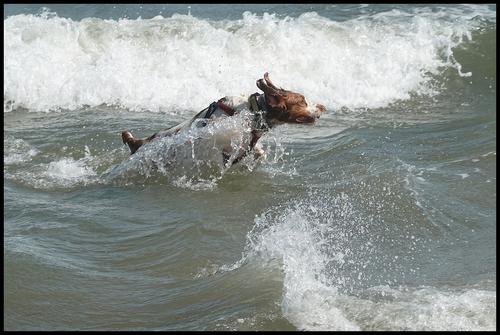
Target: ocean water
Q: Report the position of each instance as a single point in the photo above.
(382, 216)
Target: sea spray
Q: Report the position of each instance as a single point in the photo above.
(327, 248)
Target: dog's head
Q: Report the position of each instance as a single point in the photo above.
(285, 106)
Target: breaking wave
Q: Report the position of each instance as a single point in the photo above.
(184, 62)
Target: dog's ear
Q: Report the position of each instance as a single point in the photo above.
(276, 102)
(262, 85)
(273, 96)
(270, 83)
(266, 88)
(267, 85)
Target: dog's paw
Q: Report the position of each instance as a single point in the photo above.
(259, 153)
(132, 142)
(127, 136)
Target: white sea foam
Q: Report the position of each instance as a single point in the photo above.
(66, 172)
(313, 240)
(427, 308)
(68, 169)
(185, 62)
(63, 172)
(17, 151)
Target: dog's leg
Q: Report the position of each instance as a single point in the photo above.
(225, 158)
(132, 142)
(259, 152)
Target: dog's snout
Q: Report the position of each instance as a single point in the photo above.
(320, 108)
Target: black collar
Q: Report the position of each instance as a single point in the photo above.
(260, 108)
(261, 102)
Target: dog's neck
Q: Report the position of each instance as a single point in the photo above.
(260, 108)
(268, 114)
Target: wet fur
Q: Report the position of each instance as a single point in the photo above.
(280, 106)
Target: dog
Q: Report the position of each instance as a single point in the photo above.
(273, 107)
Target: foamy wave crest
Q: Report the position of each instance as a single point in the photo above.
(327, 249)
(185, 62)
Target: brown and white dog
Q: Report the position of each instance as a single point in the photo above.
(275, 106)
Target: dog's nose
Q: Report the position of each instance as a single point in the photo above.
(319, 110)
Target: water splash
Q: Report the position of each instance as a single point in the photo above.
(193, 158)
(331, 252)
